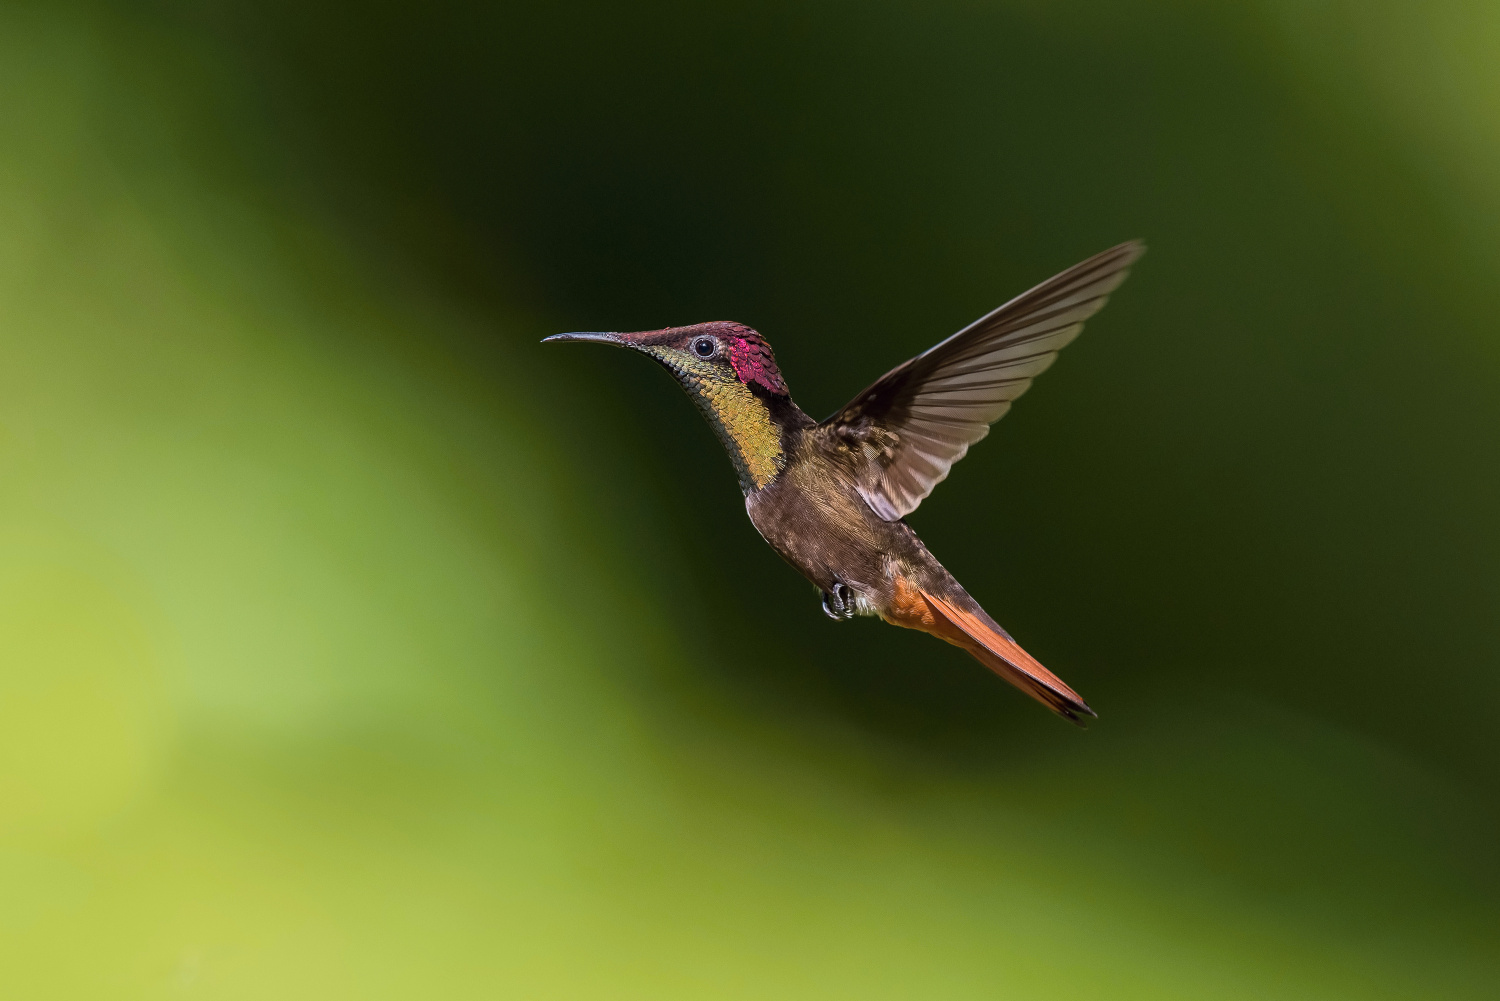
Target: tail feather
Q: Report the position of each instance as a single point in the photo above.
(994, 649)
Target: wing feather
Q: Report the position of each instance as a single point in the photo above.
(925, 413)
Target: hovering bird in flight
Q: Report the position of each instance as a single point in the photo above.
(831, 497)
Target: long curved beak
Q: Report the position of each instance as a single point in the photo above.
(600, 336)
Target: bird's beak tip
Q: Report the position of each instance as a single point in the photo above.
(600, 336)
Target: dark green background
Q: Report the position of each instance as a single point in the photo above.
(352, 644)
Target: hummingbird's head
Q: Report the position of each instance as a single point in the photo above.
(703, 355)
(729, 371)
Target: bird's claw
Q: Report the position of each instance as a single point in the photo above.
(838, 602)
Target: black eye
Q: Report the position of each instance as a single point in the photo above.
(705, 347)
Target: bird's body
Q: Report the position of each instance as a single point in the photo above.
(831, 497)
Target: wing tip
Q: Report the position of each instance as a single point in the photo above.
(1131, 250)
(1111, 265)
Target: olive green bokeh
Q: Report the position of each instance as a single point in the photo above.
(353, 645)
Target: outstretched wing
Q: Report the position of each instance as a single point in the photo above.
(907, 430)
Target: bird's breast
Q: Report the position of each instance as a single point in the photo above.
(816, 521)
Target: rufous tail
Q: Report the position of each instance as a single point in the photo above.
(995, 650)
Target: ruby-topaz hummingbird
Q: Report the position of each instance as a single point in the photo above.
(831, 496)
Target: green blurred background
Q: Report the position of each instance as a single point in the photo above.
(353, 645)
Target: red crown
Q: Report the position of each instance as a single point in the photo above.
(751, 356)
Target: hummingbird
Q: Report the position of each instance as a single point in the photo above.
(831, 497)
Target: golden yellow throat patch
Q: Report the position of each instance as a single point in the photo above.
(737, 415)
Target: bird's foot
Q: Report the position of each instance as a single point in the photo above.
(838, 601)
